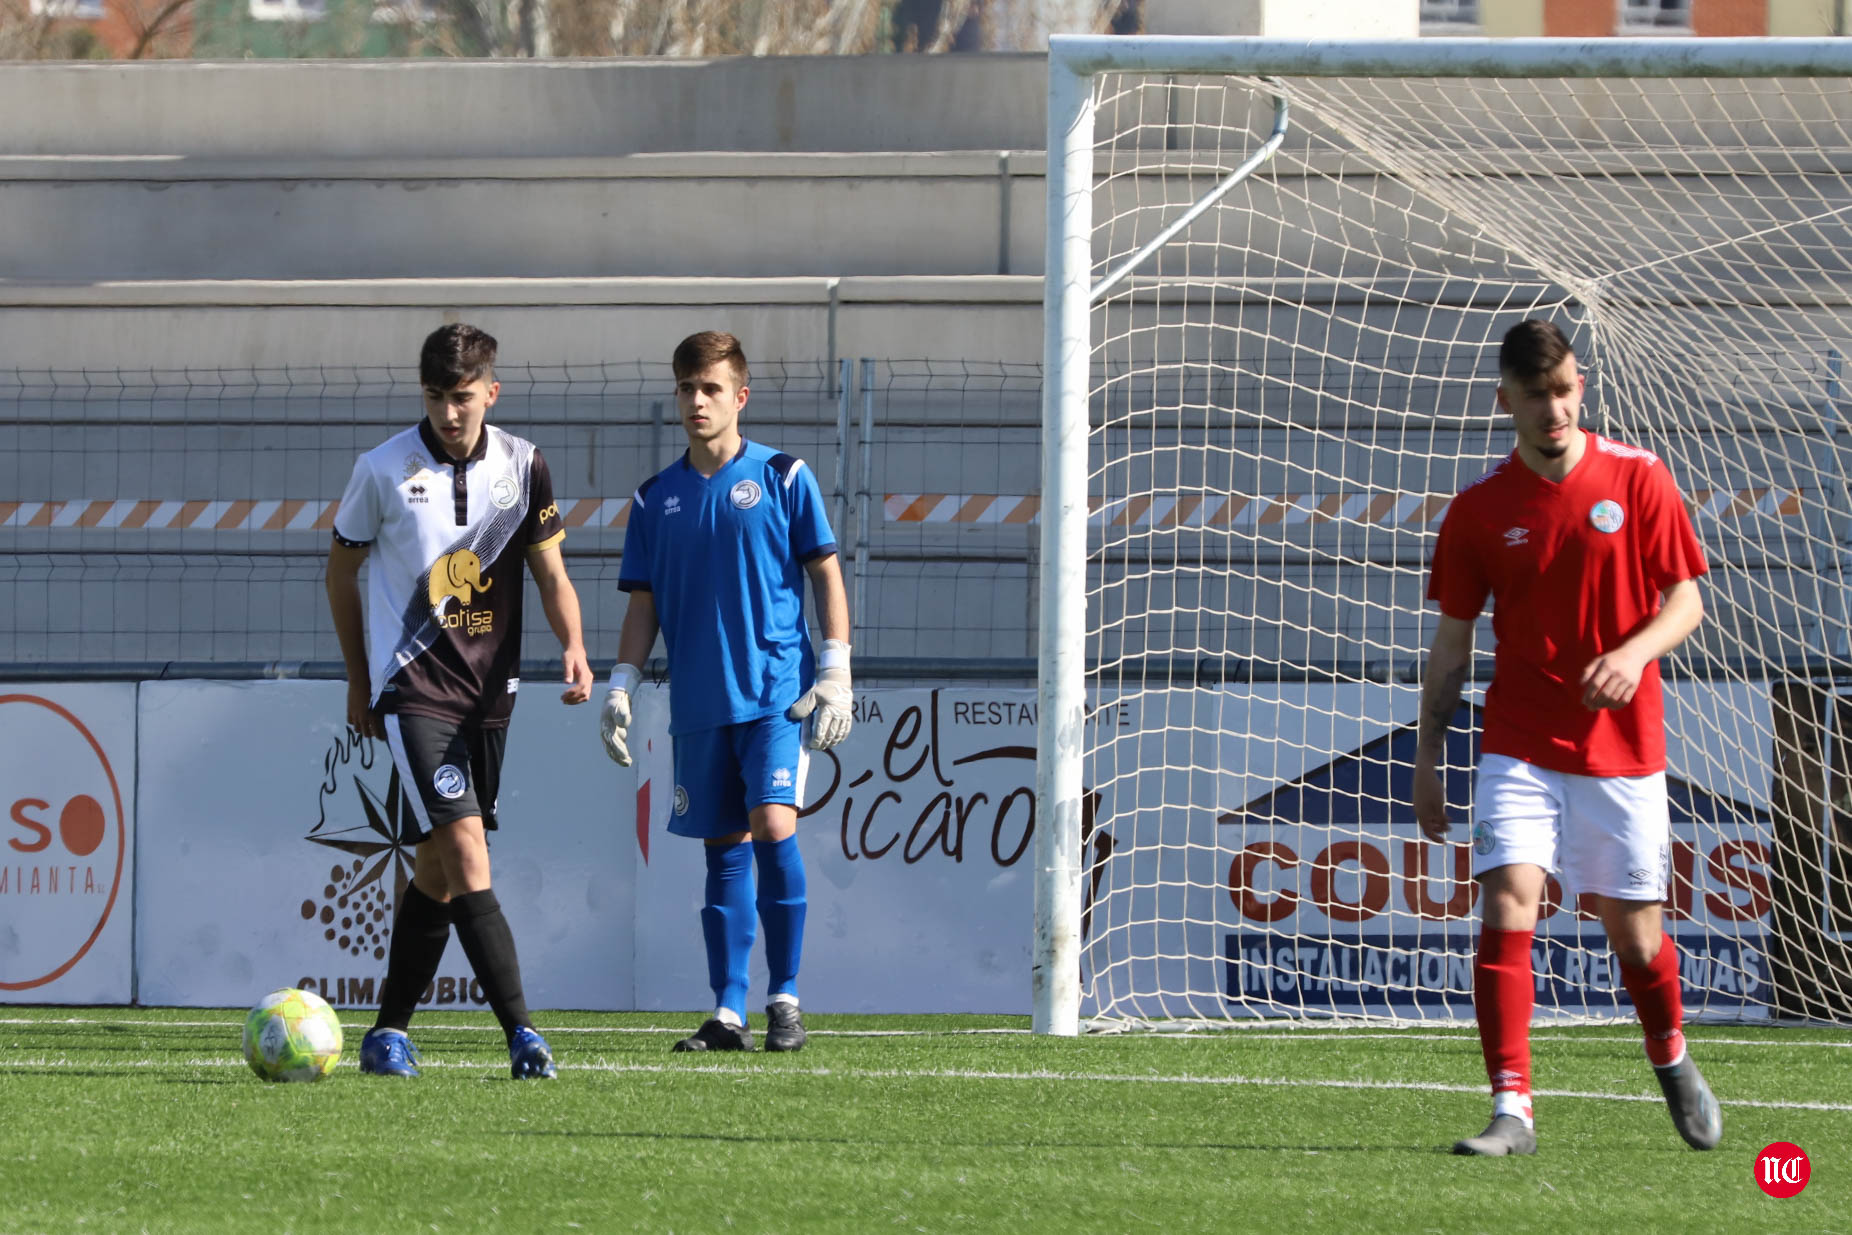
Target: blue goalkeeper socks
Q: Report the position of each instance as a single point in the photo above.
(727, 924)
(782, 905)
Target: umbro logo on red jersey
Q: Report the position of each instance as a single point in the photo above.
(1517, 536)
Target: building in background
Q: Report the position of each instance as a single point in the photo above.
(1600, 18)
(95, 29)
(240, 29)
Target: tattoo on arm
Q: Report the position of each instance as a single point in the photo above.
(1439, 702)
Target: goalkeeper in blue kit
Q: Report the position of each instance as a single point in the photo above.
(715, 556)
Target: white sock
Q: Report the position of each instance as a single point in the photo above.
(1510, 1102)
(727, 1016)
(787, 997)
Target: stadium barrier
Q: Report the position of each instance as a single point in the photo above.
(197, 842)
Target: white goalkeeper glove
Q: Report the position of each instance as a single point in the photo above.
(830, 698)
(614, 717)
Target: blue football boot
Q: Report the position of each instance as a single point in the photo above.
(528, 1056)
(388, 1052)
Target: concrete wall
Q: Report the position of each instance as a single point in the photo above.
(713, 214)
(175, 215)
(472, 109)
(258, 324)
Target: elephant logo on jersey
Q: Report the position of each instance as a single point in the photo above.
(1607, 516)
(414, 464)
(746, 494)
(504, 492)
(681, 800)
(456, 576)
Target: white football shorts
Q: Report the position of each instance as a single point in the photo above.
(1604, 834)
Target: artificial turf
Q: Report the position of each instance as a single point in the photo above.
(147, 1119)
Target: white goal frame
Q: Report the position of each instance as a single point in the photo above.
(1070, 291)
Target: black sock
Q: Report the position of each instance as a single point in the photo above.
(489, 944)
(420, 932)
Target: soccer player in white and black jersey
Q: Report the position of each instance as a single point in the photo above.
(451, 513)
(716, 555)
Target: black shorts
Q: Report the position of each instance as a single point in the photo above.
(450, 770)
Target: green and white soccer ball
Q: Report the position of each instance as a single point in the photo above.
(292, 1035)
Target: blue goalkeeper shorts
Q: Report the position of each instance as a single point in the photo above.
(722, 774)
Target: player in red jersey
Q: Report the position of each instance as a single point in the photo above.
(1586, 551)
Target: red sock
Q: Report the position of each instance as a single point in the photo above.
(1503, 994)
(1654, 989)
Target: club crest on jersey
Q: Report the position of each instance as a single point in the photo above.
(681, 800)
(414, 464)
(504, 492)
(746, 494)
(1607, 516)
(448, 780)
(1482, 838)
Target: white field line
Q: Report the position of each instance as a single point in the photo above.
(970, 1074)
(1617, 1033)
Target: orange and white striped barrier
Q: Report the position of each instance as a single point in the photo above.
(1204, 510)
(1223, 510)
(243, 515)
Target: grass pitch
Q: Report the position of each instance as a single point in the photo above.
(133, 1120)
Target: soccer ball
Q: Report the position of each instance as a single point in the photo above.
(292, 1035)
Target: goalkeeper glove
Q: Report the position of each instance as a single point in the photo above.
(831, 698)
(614, 717)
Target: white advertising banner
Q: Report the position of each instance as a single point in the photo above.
(67, 871)
(916, 840)
(1252, 844)
(1256, 850)
(273, 851)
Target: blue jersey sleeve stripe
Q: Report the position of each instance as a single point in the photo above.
(634, 585)
(786, 466)
(819, 551)
(637, 498)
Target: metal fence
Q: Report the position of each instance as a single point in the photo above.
(162, 524)
(165, 522)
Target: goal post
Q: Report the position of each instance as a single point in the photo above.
(1277, 272)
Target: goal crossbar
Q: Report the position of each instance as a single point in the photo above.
(1085, 55)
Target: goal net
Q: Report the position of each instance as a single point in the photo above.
(1278, 276)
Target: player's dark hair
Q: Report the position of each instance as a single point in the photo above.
(1532, 348)
(456, 355)
(710, 347)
